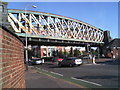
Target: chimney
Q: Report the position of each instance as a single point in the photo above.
(107, 37)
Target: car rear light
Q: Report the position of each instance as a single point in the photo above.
(60, 59)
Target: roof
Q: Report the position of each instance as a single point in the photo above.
(115, 43)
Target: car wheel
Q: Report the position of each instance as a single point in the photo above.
(71, 65)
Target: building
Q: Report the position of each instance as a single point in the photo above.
(112, 49)
(47, 51)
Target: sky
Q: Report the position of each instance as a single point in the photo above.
(103, 15)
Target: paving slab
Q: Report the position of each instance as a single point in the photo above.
(34, 79)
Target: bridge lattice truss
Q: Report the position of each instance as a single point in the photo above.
(51, 25)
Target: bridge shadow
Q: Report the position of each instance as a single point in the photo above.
(111, 62)
(49, 64)
(98, 77)
(56, 66)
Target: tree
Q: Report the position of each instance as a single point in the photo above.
(60, 54)
(71, 51)
(65, 53)
(76, 52)
(54, 53)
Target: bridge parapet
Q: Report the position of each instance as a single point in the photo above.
(51, 25)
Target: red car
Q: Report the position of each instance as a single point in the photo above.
(55, 59)
(60, 59)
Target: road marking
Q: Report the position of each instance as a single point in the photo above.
(44, 70)
(56, 73)
(86, 81)
(50, 72)
(67, 81)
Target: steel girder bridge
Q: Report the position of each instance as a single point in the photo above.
(50, 29)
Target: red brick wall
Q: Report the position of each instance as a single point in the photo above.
(11, 61)
(116, 53)
(41, 52)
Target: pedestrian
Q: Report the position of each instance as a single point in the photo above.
(43, 61)
(90, 57)
(93, 59)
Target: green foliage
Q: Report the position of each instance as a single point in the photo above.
(6, 3)
(95, 53)
(85, 53)
(76, 52)
(66, 53)
(60, 54)
(54, 53)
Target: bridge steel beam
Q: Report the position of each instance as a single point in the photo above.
(49, 27)
(58, 42)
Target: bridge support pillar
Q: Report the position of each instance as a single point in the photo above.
(71, 51)
(47, 52)
(41, 52)
(87, 48)
(100, 50)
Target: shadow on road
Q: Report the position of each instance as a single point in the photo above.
(56, 66)
(111, 62)
(98, 77)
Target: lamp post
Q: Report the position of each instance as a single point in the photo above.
(26, 49)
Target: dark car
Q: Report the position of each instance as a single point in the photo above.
(56, 59)
(70, 61)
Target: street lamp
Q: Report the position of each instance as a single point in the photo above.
(26, 49)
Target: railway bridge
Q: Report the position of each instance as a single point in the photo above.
(53, 30)
(46, 29)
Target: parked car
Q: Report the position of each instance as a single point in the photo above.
(85, 57)
(36, 61)
(70, 61)
(60, 59)
(56, 59)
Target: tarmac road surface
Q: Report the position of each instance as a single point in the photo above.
(103, 74)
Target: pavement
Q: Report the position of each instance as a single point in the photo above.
(103, 61)
(35, 79)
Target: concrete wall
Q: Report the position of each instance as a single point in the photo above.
(11, 60)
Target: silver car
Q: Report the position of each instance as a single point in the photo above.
(36, 61)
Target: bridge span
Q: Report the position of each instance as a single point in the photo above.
(53, 30)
